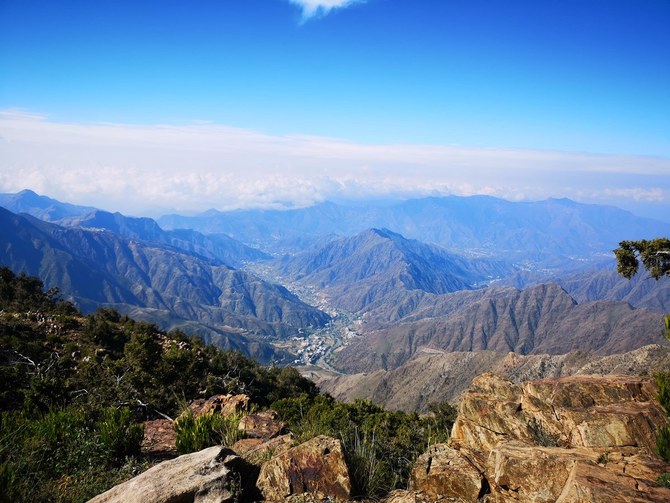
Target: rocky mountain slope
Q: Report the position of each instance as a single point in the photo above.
(217, 247)
(372, 268)
(153, 282)
(540, 319)
(432, 377)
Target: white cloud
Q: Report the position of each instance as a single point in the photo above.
(311, 8)
(152, 169)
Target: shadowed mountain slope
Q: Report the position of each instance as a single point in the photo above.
(218, 247)
(540, 319)
(100, 268)
(375, 269)
(436, 377)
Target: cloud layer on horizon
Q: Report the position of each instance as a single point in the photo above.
(152, 169)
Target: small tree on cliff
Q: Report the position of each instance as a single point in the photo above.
(655, 257)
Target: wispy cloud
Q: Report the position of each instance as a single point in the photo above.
(151, 169)
(312, 8)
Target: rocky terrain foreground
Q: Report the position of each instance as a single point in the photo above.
(570, 439)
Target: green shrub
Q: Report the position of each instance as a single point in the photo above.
(197, 433)
(380, 446)
(119, 434)
(663, 383)
(663, 443)
(664, 480)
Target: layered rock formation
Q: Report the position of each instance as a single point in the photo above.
(574, 439)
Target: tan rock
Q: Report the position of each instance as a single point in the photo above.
(588, 482)
(573, 439)
(211, 475)
(159, 439)
(520, 472)
(220, 404)
(264, 425)
(405, 496)
(591, 390)
(446, 472)
(577, 411)
(256, 450)
(317, 465)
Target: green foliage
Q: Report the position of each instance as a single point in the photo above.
(440, 421)
(654, 255)
(664, 480)
(197, 433)
(663, 443)
(74, 390)
(119, 434)
(64, 455)
(663, 384)
(380, 446)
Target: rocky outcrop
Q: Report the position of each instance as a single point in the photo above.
(264, 425)
(574, 439)
(257, 450)
(445, 472)
(577, 411)
(225, 405)
(212, 475)
(159, 439)
(316, 466)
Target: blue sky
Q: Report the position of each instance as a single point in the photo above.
(591, 77)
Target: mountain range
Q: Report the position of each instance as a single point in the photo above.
(433, 274)
(157, 282)
(369, 270)
(551, 234)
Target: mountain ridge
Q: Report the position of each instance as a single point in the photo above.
(100, 268)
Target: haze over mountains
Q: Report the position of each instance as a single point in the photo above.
(544, 232)
(433, 274)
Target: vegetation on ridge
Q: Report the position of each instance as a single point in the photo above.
(74, 391)
(655, 258)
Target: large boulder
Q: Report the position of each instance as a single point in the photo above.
(571, 439)
(443, 472)
(518, 471)
(316, 466)
(576, 411)
(211, 475)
